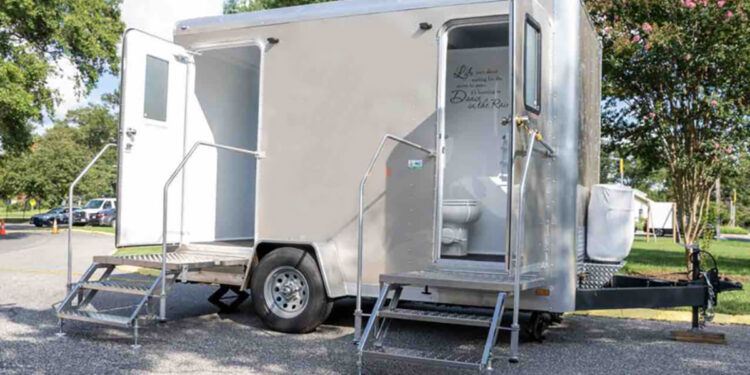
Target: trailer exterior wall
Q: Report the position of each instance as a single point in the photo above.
(331, 89)
(342, 75)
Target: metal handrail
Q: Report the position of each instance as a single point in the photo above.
(519, 243)
(163, 295)
(358, 310)
(70, 211)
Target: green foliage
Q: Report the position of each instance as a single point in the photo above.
(55, 160)
(676, 92)
(34, 37)
(652, 181)
(51, 164)
(733, 230)
(239, 6)
(97, 126)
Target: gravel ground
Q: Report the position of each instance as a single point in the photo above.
(197, 339)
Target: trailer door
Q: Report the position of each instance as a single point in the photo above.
(155, 78)
(531, 46)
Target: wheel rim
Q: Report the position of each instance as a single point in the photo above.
(286, 292)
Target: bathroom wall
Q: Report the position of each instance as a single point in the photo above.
(219, 184)
(477, 145)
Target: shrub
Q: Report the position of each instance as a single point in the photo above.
(733, 230)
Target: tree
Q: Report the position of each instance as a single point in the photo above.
(650, 180)
(239, 6)
(96, 125)
(676, 92)
(37, 35)
(53, 161)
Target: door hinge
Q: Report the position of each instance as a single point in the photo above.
(185, 59)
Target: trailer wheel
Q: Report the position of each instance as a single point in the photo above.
(556, 318)
(538, 325)
(288, 291)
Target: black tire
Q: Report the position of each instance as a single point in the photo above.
(537, 326)
(660, 233)
(317, 307)
(557, 318)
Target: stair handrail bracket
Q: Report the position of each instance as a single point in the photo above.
(85, 170)
(362, 185)
(162, 296)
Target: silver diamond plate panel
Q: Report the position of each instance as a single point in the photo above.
(598, 274)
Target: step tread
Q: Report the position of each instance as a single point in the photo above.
(496, 282)
(436, 316)
(121, 286)
(96, 317)
(423, 357)
(176, 260)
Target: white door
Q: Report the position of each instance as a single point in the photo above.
(531, 46)
(155, 80)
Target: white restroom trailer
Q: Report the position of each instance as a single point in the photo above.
(494, 109)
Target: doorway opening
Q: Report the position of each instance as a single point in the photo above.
(219, 185)
(476, 161)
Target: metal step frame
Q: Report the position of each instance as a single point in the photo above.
(86, 289)
(382, 314)
(173, 264)
(503, 283)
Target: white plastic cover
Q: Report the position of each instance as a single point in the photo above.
(610, 223)
(661, 215)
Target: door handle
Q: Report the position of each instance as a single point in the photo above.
(131, 132)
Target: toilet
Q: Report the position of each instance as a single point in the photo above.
(458, 215)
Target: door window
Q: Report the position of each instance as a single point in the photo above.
(157, 80)
(532, 66)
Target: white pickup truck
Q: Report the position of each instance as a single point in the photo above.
(95, 205)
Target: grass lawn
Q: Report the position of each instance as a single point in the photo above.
(64, 227)
(110, 230)
(663, 257)
(21, 214)
(138, 250)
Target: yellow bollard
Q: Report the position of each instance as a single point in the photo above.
(54, 226)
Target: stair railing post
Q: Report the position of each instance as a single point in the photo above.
(519, 243)
(70, 212)
(360, 225)
(165, 207)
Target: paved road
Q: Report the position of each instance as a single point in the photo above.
(736, 237)
(198, 339)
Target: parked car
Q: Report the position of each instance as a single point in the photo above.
(79, 217)
(95, 205)
(47, 218)
(105, 218)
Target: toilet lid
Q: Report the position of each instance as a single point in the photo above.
(460, 202)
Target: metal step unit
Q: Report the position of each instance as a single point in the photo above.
(179, 263)
(387, 309)
(77, 304)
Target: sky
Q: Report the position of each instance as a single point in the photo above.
(156, 17)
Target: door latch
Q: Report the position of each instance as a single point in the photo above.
(131, 132)
(522, 120)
